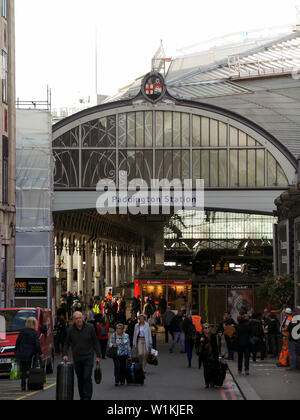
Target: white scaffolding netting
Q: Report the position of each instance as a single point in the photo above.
(34, 194)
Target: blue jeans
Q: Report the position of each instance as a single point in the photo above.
(178, 336)
(294, 359)
(189, 345)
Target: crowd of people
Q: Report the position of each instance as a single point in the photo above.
(104, 329)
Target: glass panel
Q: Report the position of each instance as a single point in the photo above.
(196, 131)
(176, 129)
(159, 164)
(214, 133)
(196, 164)
(148, 129)
(242, 168)
(205, 167)
(122, 130)
(186, 164)
(242, 139)
(233, 168)
(214, 168)
(222, 134)
(131, 129)
(168, 129)
(148, 166)
(204, 131)
(139, 129)
(159, 128)
(233, 136)
(139, 164)
(251, 142)
(272, 178)
(282, 179)
(185, 129)
(251, 168)
(131, 164)
(177, 164)
(168, 165)
(223, 168)
(260, 171)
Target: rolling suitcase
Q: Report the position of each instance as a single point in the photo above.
(65, 382)
(220, 372)
(135, 374)
(36, 378)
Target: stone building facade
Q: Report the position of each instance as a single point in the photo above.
(7, 154)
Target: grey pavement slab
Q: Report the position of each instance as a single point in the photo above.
(267, 382)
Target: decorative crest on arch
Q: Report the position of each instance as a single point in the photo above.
(153, 87)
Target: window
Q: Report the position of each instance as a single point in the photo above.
(4, 170)
(4, 9)
(4, 77)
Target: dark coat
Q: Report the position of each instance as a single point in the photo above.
(83, 342)
(209, 348)
(243, 334)
(28, 345)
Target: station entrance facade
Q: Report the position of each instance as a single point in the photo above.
(243, 167)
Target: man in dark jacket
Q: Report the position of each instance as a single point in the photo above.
(176, 328)
(83, 341)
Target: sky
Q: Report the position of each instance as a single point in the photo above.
(56, 39)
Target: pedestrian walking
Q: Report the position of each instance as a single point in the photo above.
(257, 339)
(60, 329)
(27, 347)
(209, 355)
(243, 336)
(121, 341)
(91, 315)
(167, 318)
(131, 323)
(102, 332)
(284, 357)
(176, 328)
(189, 331)
(273, 329)
(294, 346)
(82, 339)
(227, 329)
(142, 340)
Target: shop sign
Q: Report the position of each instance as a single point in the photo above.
(31, 288)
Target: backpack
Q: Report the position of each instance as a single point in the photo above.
(103, 330)
(229, 331)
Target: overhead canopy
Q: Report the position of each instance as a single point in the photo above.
(260, 83)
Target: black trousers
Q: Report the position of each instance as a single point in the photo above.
(24, 370)
(84, 371)
(120, 369)
(103, 345)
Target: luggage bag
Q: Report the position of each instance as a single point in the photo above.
(135, 374)
(36, 378)
(220, 372)
(65, 382)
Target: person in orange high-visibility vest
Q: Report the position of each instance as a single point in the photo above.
(197, 321)
(284, 358)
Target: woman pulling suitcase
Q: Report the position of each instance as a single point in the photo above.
(121, 342)
(27, 346)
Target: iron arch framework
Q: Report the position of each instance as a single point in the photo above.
(168, 140)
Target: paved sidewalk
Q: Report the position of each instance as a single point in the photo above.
(267, 382)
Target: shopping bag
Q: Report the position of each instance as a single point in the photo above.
(15, 371)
